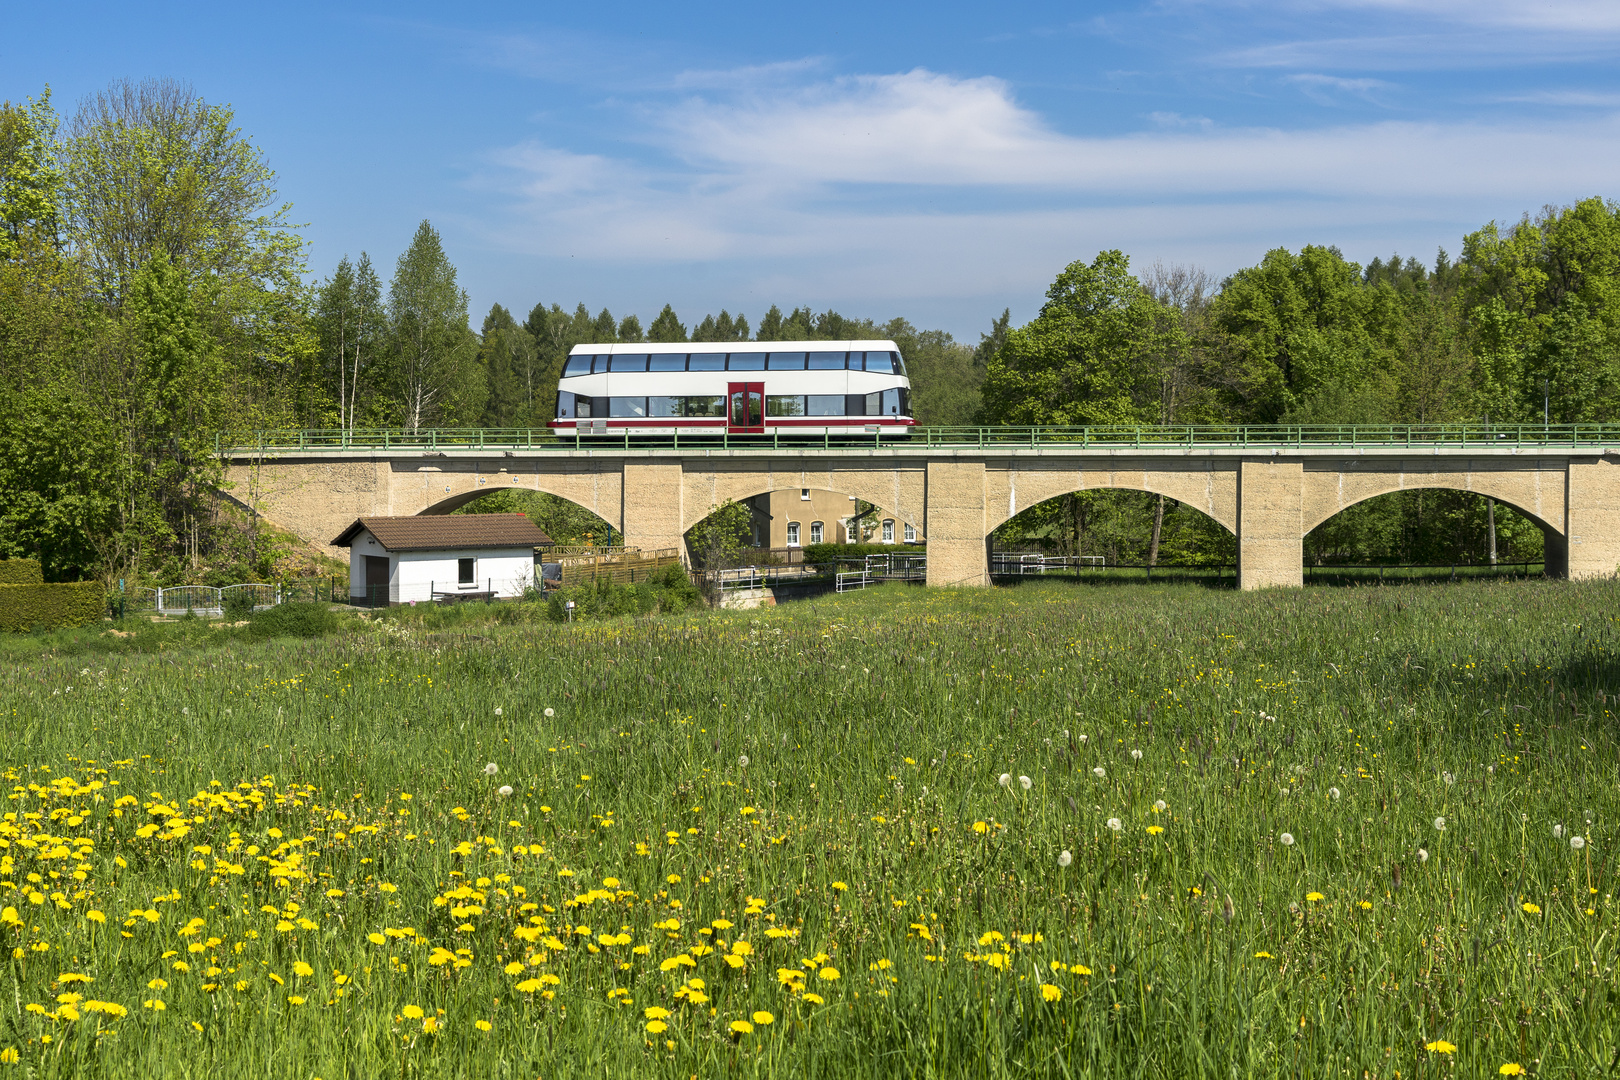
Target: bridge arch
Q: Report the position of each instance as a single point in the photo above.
(1208, 489)
(897, 493)
(1537, 494)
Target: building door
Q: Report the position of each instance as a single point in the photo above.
(746, 408)
(376, 581)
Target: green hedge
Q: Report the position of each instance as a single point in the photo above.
(23, 607)
(826, 553)
(20, 572)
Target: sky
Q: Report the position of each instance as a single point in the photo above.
(940, 161)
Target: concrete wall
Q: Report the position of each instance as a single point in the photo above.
(1270, 500)
(419, 575)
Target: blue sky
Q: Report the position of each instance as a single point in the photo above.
(939, 161)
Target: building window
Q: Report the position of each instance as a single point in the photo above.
(888, 532)
(464, 571)
(815, 532)
(911, 533)
(804, 494)
(793, 534)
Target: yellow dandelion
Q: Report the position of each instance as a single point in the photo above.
(1155, 830)
(411, 1012)
(1512, 1068)
(9, 1056)
(815, 999)
(482, 1025)
(840, 886)
(1440, 1046)
(827, 973)
(1051, 993)
(294, 999)
(1533, 909)
(1314, 897)
(657, 1027)
(1264, 956)
(742, 1027)
(302, 969)
(763, 1018)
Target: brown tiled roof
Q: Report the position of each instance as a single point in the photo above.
(445, 532)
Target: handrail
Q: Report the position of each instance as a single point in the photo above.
(437, 441)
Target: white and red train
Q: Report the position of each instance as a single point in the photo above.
(819, 388)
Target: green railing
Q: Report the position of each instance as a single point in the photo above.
(1269, 436)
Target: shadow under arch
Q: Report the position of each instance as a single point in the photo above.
(1501, 492)
(1447, 525)
(585, 518)
(1213, 493)
(753, 492)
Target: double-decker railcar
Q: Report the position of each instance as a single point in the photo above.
(819, 388)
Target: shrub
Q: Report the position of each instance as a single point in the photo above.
(295, 619)
(25, 607)
(847, 553)
(20, 572)
(667, 589)
(238, 605)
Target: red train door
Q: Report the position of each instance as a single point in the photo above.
(746, 408)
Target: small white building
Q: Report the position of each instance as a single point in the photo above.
(400, 560)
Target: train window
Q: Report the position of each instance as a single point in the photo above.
(784, 404)
(905, 402)
(703, 406)
(879, 361)
(667, 362)
(663, 406)
(707, 361)
(827, 361)
(854, 404)
(816, 532)
(891, 402)
(630, 362)
(825, 405)
(899, 364)
(627, 406)
(786, 361)
(565, 405)
(577, 365)
(601, 365)
(746, 362)
(874, 405)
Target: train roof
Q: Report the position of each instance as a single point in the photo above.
(642, 347)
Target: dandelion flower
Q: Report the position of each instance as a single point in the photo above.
(657, 1026)
(1287, 839)
(828, 974)
(1448, 778)
(1531, 909)
(764, 1019)
(1440, 824)
(1099, 772)
(1006, 779)
(840, 886)
(497, 710)
(411, 1012)
(1558, 832)
(815, 999)
(1333, 793)
(1314, 898)
(9, 1056)
(302, 969)
(491, 769)
(1064, 858)
(294, 999)
(482, 1025)
(1025, 782)
(1051, 993)
(1115, 824)
(1423, 855)
(1577, 842)
(743, 760)
(1136, 755)
(742, 1027)
(1160, 807)
(1440, 1046)
(550, 712)
(1512, 1068)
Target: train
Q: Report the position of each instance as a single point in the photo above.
(766, 388)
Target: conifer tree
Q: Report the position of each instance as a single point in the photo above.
(666, 328)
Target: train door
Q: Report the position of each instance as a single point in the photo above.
(746, 408)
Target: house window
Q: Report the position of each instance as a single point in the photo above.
(815, 532)
(464, 571)
(911, 533)
(888, 532)
(804, 494)
(793, 534)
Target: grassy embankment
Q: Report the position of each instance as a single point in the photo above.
(786, 830)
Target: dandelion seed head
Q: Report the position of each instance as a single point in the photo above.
(1423, 855)
(1161, 806)
(550, 712)
(1448, 778)
(504, 790)
(1025, 782)
(1099, 772)
(491, 769)
(1333, 793)
(498, 711)
(1440, 824)
(1558, 832)
(1065, 858)
(1083, 737)
(1577, 842)
(1115, 824)
(1287, 839)
(743, 760)
(1005, 779)
(1136, 755)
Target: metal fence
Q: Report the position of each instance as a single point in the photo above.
(745, 578)
(1022, 563)
(436, 441)
(881, 568)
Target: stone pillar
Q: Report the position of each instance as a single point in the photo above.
(1271, 548)
(651, 515)
(1591, 541)
(954, 524)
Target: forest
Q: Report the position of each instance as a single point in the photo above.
(155, 293)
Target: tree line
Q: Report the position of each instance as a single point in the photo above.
(154, 295)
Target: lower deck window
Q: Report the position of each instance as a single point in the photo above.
(893, 403)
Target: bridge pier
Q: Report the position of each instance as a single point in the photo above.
(1271, 541)
(652, 506)
(958, 545)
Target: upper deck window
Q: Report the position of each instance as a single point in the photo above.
(787, 361)
(630, 362)
(827, 361)
(711, 361)
(667, 362)
(746, 362)
(577, 365)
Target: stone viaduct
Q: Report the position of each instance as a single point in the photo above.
(1269, 497)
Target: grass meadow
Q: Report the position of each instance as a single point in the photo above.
(1052, 829)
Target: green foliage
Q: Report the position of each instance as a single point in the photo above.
(666, 328)
(668, 590)
(26, 607)
(846, 553)
(565, 522)
(20, 572)
(719, 539)
(301, 619)
(238, 605)
(437, 379)
(30, 174)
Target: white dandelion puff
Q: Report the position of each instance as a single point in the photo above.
(498, 711)
(491, 769)
(1577, 842)
(1558, 832)
(1064, 858)
(743, 760)
(1160, 806)
(1005, 779)
(1115, 824)
(1287, 839)
(1025, 782)
(1099, 772)
(1423, 855)
(1448, 778)
(1136, 755)
(1333, 793)
(1490, 770)
(1440, 824)
(550, 711)
(504, 789)
(1083, 737)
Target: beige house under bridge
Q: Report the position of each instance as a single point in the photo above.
(798, 517)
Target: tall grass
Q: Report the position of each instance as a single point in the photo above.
(823, 782)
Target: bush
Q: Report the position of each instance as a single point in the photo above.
(25, 607)
(305, 620)
(238, 605)
(20, 572)
(846, 553)
(667, 589)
